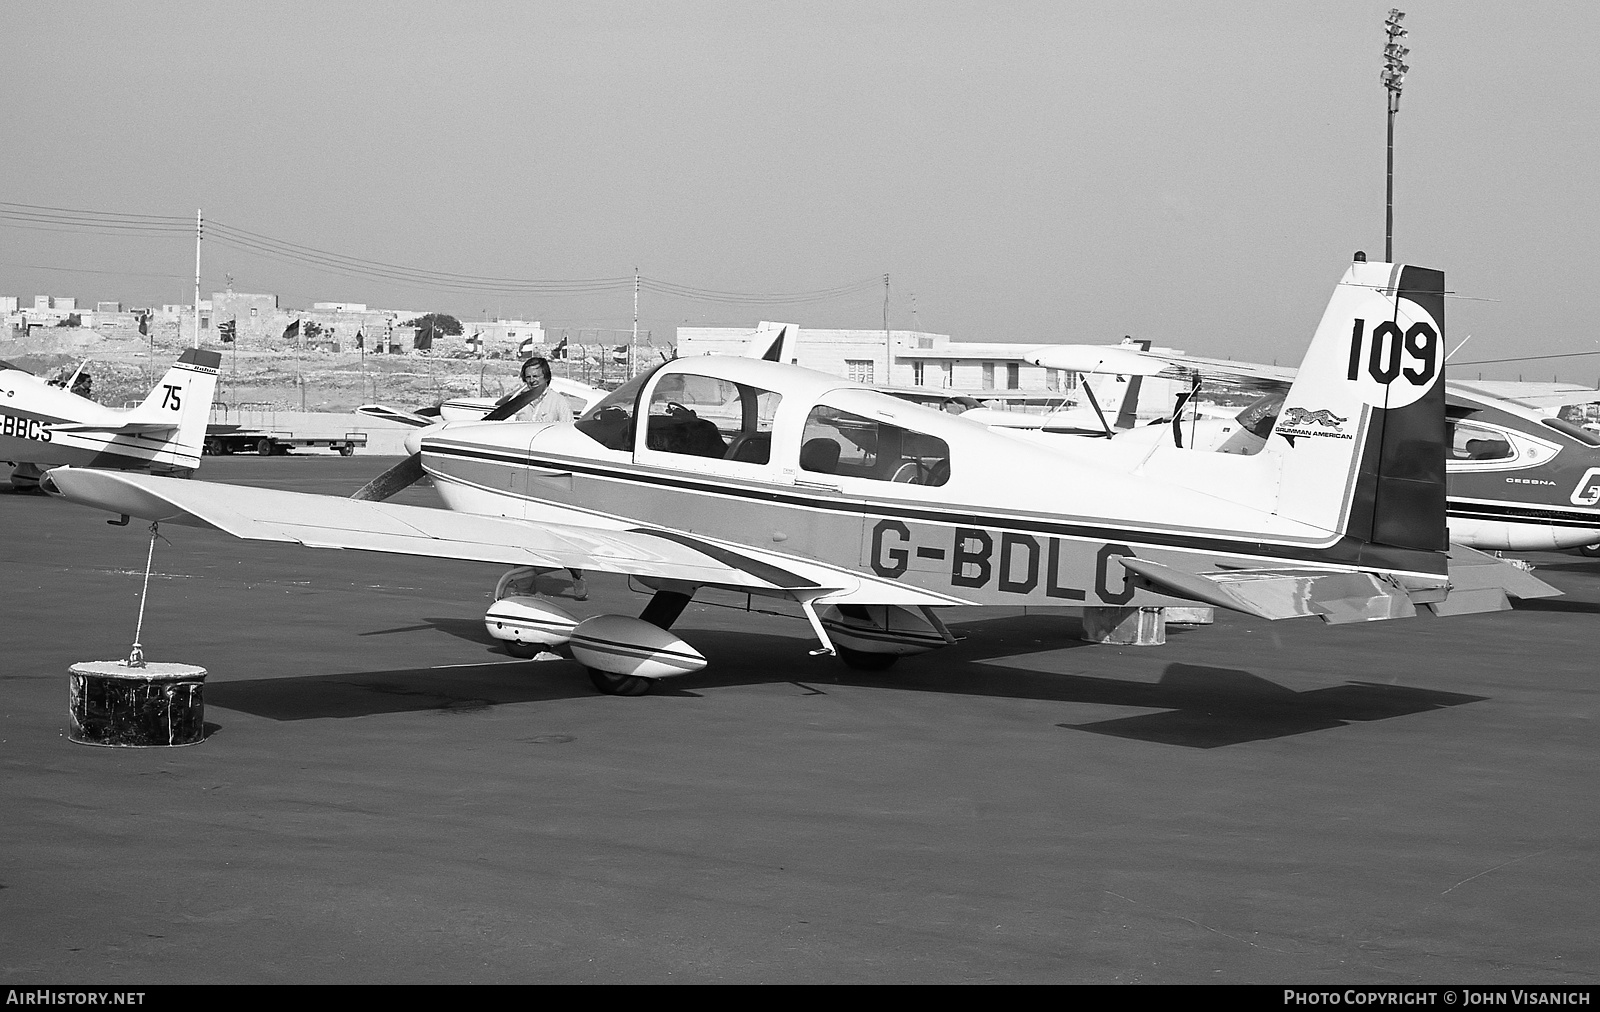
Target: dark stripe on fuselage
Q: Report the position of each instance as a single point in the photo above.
(1346, 551)
(1519, 513)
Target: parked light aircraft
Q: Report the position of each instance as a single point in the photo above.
(870, 513)
(43, 425)
(1110, 378)
(1517, 478)
(1111, 381)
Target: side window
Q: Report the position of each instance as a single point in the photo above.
(1473, 442)
(839, 442)
(704, 416)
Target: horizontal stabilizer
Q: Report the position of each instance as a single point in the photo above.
(112, 428)
(1480, 582)
(1280, 593)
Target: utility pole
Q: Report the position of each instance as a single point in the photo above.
(199, 230)
(1394, 77)
(888, 347)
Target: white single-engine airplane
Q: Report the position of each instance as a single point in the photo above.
(869, 513)
(43, 425)
(1110, 379)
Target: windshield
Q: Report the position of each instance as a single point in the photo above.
(1259, 417)
(610, 423)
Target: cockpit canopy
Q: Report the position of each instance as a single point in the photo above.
(727, 412)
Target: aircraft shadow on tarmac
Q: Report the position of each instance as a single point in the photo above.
(1193, 706)
(469, 629)
(1560, 604)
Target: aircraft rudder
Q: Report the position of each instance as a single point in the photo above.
(1410, 509)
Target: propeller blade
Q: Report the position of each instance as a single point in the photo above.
(511, 407)
(409, 471)
(398, 478)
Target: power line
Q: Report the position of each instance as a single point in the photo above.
(1529, 358)
(757, 298)
(267, 247)
(86, 270)
(101, 221)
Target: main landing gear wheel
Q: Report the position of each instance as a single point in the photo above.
(1590, 551)
(523, 651)
(619, 685)
(860, 660)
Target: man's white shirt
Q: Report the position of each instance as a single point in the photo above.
(549, 407)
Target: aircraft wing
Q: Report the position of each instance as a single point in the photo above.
(319, 521)
(1533, 398)
(1134, 361)
(1250, 375)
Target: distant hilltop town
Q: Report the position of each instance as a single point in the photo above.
(257, 320)
(998, 372)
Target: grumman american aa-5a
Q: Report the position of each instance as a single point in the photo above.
(869, 514)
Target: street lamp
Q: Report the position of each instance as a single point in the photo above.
(1394, 77)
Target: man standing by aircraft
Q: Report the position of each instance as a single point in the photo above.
(546, 406)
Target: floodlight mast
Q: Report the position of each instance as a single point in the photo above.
(1394, 78)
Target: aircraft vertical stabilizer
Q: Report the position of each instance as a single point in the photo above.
(1128, 410)
(1362, 431)
(184, 395)
(774, 342)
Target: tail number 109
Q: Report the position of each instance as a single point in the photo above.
(1393, 353)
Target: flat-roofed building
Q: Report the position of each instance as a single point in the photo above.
(990, 371)
(897, 358)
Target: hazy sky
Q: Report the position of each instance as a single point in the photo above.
(1196, 173)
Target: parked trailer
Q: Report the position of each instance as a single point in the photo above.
(222, 440)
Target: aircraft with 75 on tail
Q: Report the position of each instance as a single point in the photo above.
(44, 426)
(869, 513)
